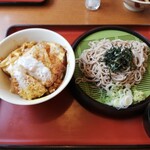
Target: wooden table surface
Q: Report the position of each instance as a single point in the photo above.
(70, 12)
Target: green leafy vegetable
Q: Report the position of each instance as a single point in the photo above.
(118, 58)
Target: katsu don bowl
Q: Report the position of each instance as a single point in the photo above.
(35, 65)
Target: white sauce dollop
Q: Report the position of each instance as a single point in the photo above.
(27, 64)
(34, 68)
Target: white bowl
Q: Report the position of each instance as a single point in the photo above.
(34, 34)
(135, 5)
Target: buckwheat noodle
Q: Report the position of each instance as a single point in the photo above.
(95, 70)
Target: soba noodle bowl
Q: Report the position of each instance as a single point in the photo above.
(114, 66)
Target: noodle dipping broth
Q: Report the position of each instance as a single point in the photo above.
(113, 70)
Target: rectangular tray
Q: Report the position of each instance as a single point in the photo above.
(63, 121)
(22, 2)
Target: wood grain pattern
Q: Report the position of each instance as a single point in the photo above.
(70, 12)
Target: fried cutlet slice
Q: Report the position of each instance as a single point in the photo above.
(40, 54)
(29, 89)
(57, 56)
(53, 56)
(6, 63)
(58, 51)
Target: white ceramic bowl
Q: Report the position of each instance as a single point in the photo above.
(34, 34)
(136, 5)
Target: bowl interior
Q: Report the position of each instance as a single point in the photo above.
(11, 42)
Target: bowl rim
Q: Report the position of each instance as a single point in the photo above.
(70, 64)
(140, 2)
